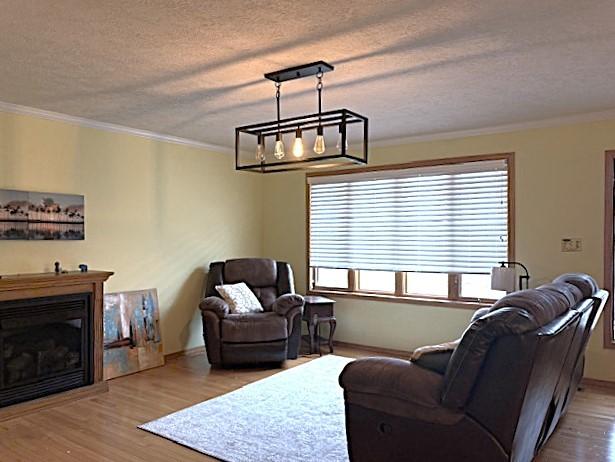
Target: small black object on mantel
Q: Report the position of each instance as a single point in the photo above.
(58, 267)
(83, 268)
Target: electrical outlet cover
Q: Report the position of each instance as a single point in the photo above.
(572, 244)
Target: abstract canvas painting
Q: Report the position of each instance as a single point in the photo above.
(41, 216)
(132, 340)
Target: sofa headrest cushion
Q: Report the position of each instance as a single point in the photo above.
(572, 293)
(542, 305)
(480, 313)
(255, 272)
(467, 359)
(584, 282)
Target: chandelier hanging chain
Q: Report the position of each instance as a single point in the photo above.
(278, 85)
(319, 90)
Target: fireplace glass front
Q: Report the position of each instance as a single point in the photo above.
(45, 346)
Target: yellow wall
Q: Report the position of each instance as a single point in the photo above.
(559, 193)
(156, 213)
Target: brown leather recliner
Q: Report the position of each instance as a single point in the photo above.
(268, 337)
(500, 395)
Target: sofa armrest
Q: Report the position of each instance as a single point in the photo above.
(215, 305)
(396, 378)
(286, 303)
(397, 387)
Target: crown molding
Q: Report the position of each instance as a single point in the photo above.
(109, 127)
(495, 129)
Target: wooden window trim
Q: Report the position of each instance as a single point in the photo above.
(407, 299)
(609, 184)
(454, 283)
(313, 277)
(356, 288)
(454, 292)
(401, 286)
(353, 279)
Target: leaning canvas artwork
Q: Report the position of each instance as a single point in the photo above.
(132, 340)
(41, 216)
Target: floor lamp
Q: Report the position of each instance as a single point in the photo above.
(503, 276)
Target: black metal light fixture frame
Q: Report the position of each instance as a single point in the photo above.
(340, 118)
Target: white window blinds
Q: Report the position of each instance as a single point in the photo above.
(449, 218)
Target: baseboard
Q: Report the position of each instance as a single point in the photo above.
(188, 352)
(355, 346)
(373, 349)
(595, 383)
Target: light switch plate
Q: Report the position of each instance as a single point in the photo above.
(572, 244)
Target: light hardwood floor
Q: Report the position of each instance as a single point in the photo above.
(103, 428)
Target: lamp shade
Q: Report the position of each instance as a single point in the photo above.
(503, 278)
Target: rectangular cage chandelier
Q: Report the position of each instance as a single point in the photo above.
(319, 140)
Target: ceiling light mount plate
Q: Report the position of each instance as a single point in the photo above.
(298, 72)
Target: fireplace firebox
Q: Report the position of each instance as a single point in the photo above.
(45, 346)
(51, 339)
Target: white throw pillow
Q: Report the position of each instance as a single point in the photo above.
(240, 298)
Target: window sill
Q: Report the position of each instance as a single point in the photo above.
(463, 304)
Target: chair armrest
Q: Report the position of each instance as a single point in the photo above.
(215, 305)
(286, 303)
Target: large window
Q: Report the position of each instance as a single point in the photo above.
(430, 230)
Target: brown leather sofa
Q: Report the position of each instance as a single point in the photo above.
(501, 391)
(268, 337)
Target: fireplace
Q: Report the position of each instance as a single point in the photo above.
(45, 346)
(51, 345)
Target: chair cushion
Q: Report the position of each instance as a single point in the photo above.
(266, 295)
(239, 298)
(253, 327)
(256, 272)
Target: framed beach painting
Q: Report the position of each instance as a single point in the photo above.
(28, 215)
(132, 340)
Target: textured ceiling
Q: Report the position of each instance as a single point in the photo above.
(193, 68)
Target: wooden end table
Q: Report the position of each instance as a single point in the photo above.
(319, 310)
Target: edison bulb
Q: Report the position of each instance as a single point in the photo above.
(278, 150)
(339, 144)
(260, 150)
(319, 144)
(298, 148)
(298, 144)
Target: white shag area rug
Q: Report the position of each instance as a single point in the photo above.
(294, 415)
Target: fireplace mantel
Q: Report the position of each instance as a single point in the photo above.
(32, 281)
(33, 286)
